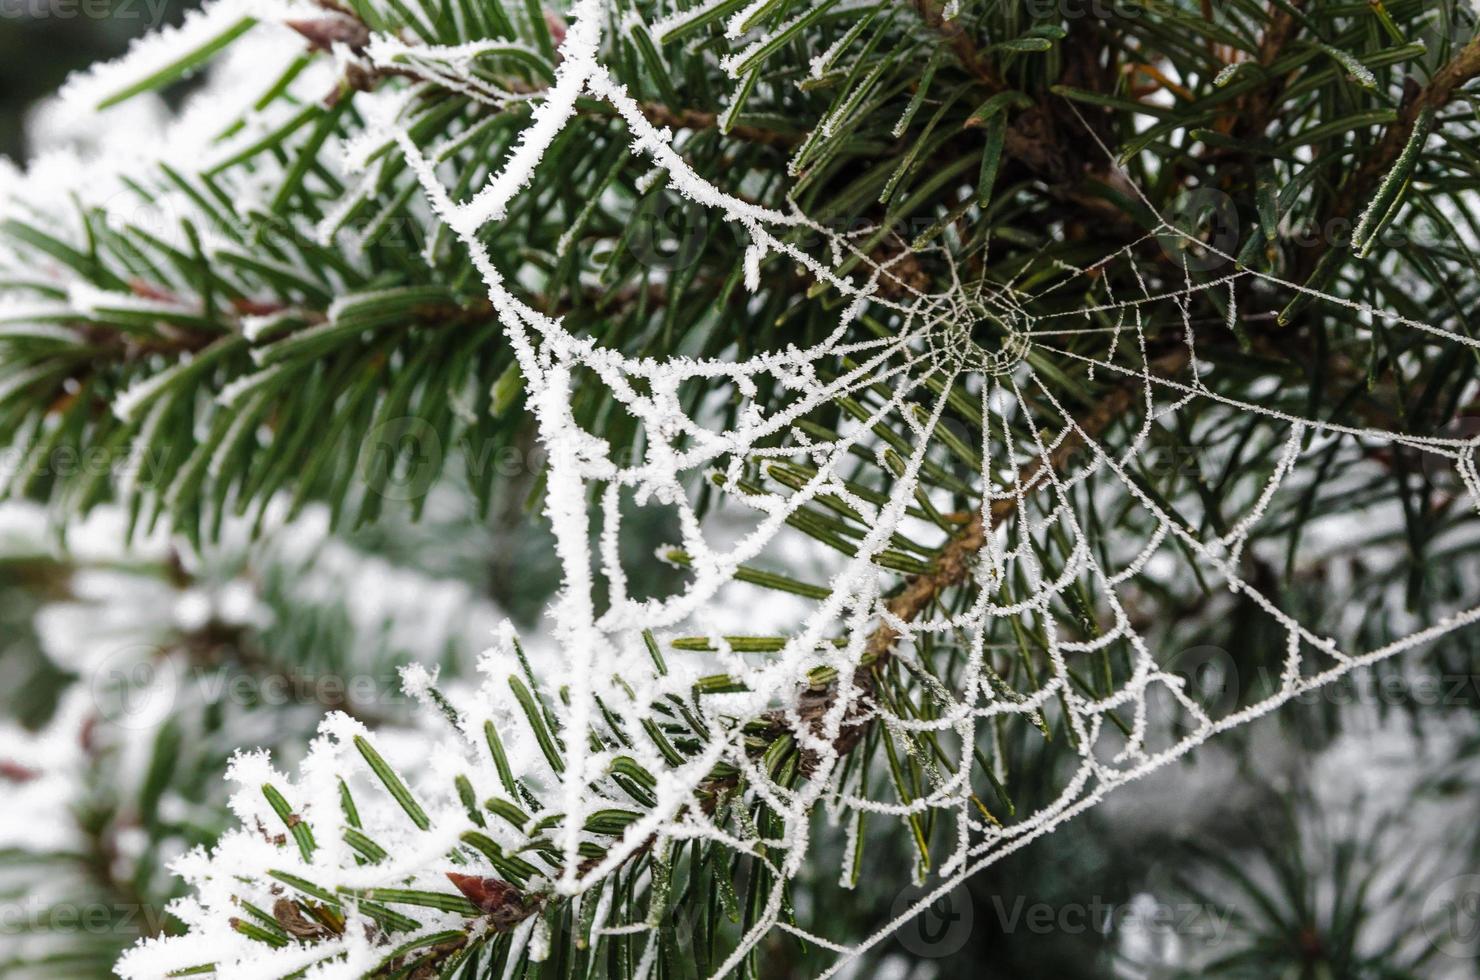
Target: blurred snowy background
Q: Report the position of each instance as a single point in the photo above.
(41, 41)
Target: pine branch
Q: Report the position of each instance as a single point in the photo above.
(1437, 94)
(958, 37)
(953, 567)
(1356, 192)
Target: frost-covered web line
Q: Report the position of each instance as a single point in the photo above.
(933, 347)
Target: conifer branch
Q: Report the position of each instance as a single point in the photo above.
(1443, 87)
(1357, 190)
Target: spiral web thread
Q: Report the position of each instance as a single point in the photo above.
(1043, 472)
(932, 356)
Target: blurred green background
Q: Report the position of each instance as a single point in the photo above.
(42, 41)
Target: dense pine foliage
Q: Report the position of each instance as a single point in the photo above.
(881, 429)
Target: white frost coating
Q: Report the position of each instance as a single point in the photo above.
(254, 327)
(822, 62)
(737, 25)
(161, 49)
(127, 405)
(754, 256)
(899, 380)
(680, 17)
(578, 63)
(89, 299)
(1359, 72)
(235, 391)
(38, 331)
(732, 63)
(1226, 73)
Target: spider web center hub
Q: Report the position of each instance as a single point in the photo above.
(977, 336)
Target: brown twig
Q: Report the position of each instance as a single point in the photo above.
(961, 44)
(1436, 95)
(1359, 187)
(1254, 110)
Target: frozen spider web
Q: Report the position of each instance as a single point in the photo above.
(910, 376)
(1030, 557)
